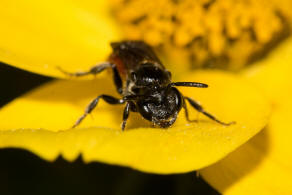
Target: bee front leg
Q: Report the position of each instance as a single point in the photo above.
(93, 104)
(199, 108)
(187, 112)
(126, 115)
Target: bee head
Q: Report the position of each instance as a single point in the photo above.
(161, 106)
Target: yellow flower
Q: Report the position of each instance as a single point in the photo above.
(206, 33)
(40, 36)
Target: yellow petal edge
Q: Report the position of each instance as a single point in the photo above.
(39, 36)
(34, 121)
(263, 165)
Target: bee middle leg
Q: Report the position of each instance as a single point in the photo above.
(93, 104)
(199, 108)
(97, 69)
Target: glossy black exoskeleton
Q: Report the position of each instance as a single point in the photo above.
(144, 84)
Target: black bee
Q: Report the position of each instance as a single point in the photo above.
(144, 84)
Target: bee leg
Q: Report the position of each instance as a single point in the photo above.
(94, 70)
(126, 115)
(199, 108)
(93, 104)
(187, 112)
(97, 69)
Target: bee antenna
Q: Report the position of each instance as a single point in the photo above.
(189, 84)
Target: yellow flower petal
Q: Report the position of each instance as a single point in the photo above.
(263, 165)
(273, 74)
(39, 35)
(184, 147)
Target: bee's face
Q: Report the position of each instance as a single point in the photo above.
(161, 107)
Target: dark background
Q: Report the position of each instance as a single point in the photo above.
(22, 172)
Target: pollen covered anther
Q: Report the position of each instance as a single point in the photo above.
(225, 34)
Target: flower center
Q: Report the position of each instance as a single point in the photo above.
(226, 34)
